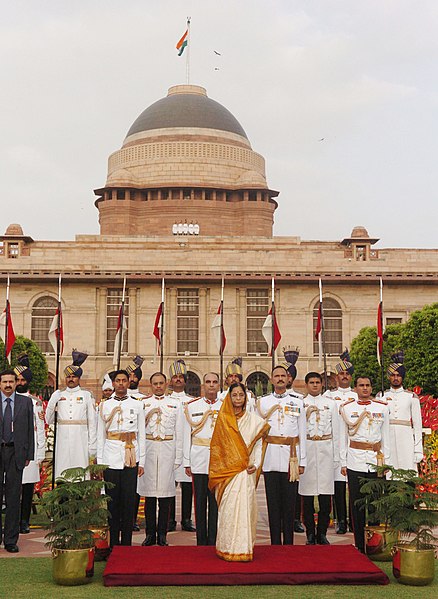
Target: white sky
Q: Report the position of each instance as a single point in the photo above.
(363, 75)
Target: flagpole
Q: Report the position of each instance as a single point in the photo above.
(162, 327)
(221, 346)
(7, 322)
(382, 375)
(323, 335)
(122, 316)
(272, 324)
(58, 351)
(188, 52)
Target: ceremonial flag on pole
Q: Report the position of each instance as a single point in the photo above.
(157, 326)
(319, 326)
(380, 328)
(267, 332)
(122, 327)
(183, 42)
(218, 331)
(6, 328)
(55, 332)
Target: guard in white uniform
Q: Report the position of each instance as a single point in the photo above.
(234, 374)
(200, 420)
(405, 423)
(364, 433)
(285, 457)
(75, 421)
(107, 389)
(164, 453)
(31, 472)
(322, 454)
(343, 393)
(121, 445)
(178, 380)
(291, 355)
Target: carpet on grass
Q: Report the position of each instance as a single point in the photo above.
(180, 566)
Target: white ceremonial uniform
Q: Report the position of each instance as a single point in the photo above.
(128, 417)
(180, 473)
(340, 396)
(250, 400)
(322, 446)
(136, 394)
(288, 420)
(373, 429)
(197, 445)
(164, 446)
(405, 428)
(76, 427)
(31, 472)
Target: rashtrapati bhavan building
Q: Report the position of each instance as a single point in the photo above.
(186, 198)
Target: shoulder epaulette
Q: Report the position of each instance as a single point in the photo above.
(381, 401)
(345, 403)
(192, 400)
(142, 397)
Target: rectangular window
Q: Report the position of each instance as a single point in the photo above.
(393, 321)
(113, 302)
(257, 308)
(13, 250)
(187, 321)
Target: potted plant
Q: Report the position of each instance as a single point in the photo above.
(410, 504)
(74, 506)
(380, 537)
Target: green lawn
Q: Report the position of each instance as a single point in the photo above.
(30, 578)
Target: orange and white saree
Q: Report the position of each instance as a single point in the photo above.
(236, 443)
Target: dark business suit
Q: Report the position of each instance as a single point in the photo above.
(13, 458)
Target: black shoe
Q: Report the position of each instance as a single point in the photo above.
(12, 548)
(322, 540)
(341, 528)
(311, 539)
(298, 527)
(350, 527)
(187, 525)
(162, 541)
(135, 527)
(171, 526)
(24, 528)
(149, 540)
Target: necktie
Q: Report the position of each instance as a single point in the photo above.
(7, 422)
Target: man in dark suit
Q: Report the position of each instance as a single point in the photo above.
(16, 451)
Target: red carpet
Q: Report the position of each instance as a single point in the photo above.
(157, 566)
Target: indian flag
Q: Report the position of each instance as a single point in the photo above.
(182, 44)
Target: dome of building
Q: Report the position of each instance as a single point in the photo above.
(14, 230)
(186, 106)
(359, 232)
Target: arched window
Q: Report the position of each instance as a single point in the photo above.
(43, 311)
(332, 327)
(258, 382)
(193, 385)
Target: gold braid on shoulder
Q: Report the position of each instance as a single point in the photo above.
(197, 426)
(151, 413)
(353, 428)
(268, 414)
(114, 411)
(310, 411)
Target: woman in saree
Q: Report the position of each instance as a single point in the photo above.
(236, 459)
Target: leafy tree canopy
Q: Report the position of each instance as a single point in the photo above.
(418, 337)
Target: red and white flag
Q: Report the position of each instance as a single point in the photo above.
(54, 332)
(7, 330)
(122, 327)
(217, 328)
(267, 332)
(380, 327)
(318, 332)
(158, 326)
